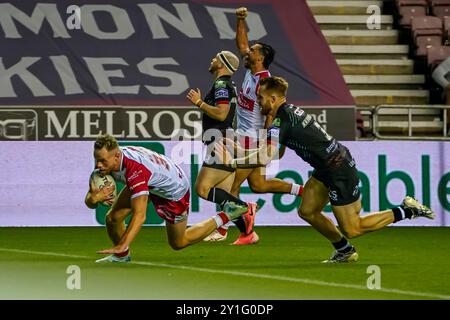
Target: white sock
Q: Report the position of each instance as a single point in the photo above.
(225, 226)
(295, 189)
(218, 220)
(221, 219)
(402, 212)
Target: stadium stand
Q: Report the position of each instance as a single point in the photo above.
(436, 55)
(446, 28)
(440, 9)
(409, 9)
(388, 66)
(426, 32)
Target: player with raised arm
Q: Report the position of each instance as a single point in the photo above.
(334, 179)
(149, 177)
(257, 59)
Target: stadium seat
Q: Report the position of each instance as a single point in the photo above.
(408, 9)
(434, 3)
(441, 11)
(435, 55)
(446, 21)
(427, 32)
(427, 25)
(408, 13)
(440, 8)
(446, 24)
(403, 3)
(423, 43)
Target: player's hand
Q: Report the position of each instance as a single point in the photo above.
(115, 250)
(241, 13)
(109, 201)
(102, 195)
(194, 96)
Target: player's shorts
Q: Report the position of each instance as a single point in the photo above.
(210, 159)
(246, 141)
(342, 182)
(170, 210)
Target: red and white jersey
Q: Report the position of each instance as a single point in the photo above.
(249, 117)
(145, 171)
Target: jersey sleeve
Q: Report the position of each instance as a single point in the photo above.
(137, 177)
(273, 133)
(222, 93)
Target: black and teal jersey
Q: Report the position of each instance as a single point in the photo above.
(223, 91)
(298, 131)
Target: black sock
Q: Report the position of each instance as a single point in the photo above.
(401, 213)
(408, 212)
(397, 215)
(221, 197)
(240, 224)
(342, 245)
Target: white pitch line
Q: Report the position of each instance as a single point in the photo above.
(248, 274)
(53, 254)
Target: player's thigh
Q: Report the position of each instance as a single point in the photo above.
(227, 183)
(210, 177)
(258, 182)
(257, 176)
(239, 177)
(121, 208)
(314, 197)
(347, 215)
(175, 233)
(345, 198)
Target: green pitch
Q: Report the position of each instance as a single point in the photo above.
(414, 263)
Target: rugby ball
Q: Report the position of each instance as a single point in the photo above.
(101, 182)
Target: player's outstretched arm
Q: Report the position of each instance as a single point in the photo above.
(260, 158)
(139, 208)
(241, 31)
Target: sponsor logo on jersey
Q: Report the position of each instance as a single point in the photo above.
(274, 133)
(221, 93)
(135, 175)
(245, 102)
(136, 185)
(276, 122)
(220, 84)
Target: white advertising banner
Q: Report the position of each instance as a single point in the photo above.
(44, 183)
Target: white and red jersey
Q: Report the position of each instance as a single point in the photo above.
(249, 117)
(148, 172)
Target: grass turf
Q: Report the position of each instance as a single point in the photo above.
(284, 265)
